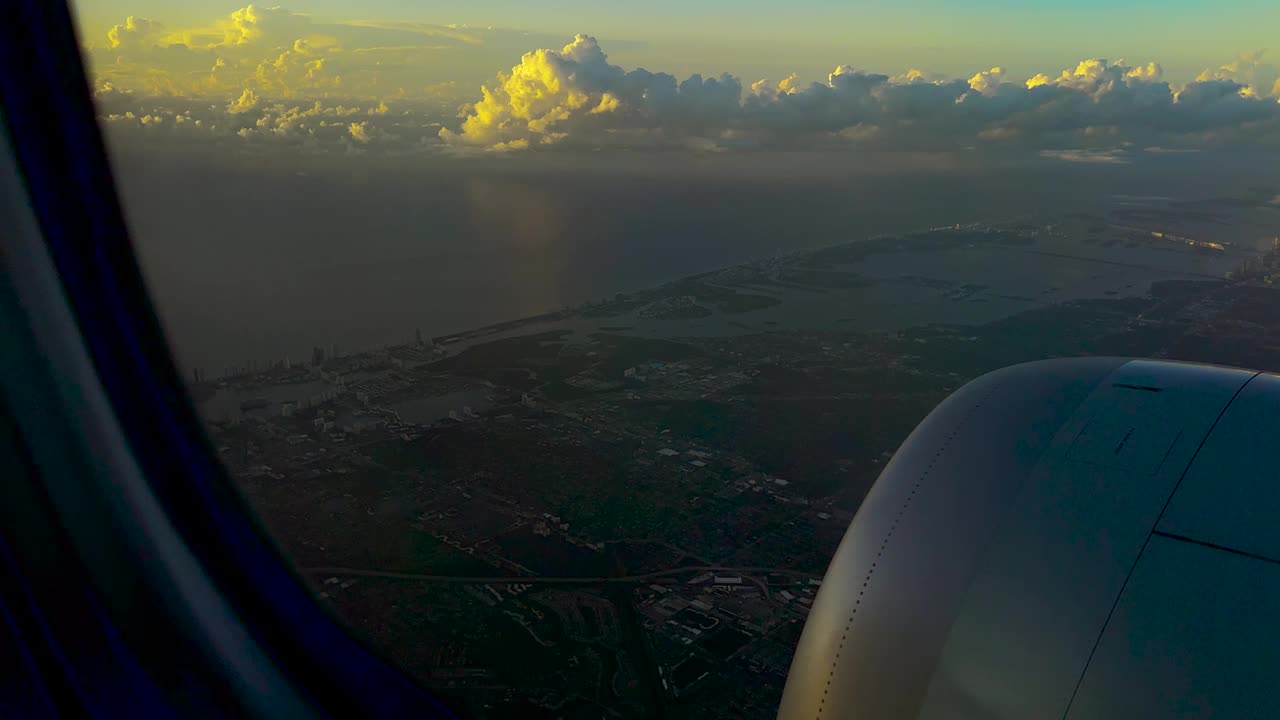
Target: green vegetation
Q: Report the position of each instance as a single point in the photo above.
(724, 299)
(610, 507)
(494, 360)
(613, 308)
(616, 353)
(825, 278)
(687, 311)
(1079, 328)
(431, 556)
(739, 303)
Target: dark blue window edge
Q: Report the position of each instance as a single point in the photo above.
(51, 119)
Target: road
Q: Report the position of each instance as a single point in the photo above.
(542, 580)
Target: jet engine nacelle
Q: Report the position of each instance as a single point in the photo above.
(1081, 538)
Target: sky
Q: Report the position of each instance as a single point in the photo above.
(954, 38)
(291, 170)
(1085, 80)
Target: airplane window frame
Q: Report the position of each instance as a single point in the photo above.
(48, 113)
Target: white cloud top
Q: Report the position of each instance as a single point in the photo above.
(264, 75)
(574, 96)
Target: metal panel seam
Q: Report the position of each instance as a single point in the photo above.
(1137, 558)
(866, 580)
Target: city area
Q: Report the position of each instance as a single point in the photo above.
(624, 509)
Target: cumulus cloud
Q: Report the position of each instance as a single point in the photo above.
(268, 75)
(247, 101)
(250, 125)
(574, 96)
(134, 32)
(1246, 68)
(1092, 157)
(279, 53)
(916, 75)
(988, 81)
(359, 131)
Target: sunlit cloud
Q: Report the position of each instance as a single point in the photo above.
(988, 82)
(453, 32)
(574, 96)
(1093, 157)
(359, 131)
(247, 101)
(1246, 68)
(279, 53)
(270, 75)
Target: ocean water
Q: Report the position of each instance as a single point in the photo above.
(259, 263)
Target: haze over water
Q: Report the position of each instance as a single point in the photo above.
(257, 264)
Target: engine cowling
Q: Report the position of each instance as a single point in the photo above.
(1019, 556)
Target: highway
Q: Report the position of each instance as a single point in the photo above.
(543, 580)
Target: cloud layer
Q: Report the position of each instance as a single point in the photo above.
(283, 54)
(262, 76)
(574, 96)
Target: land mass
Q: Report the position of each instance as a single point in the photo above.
(624, 508)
